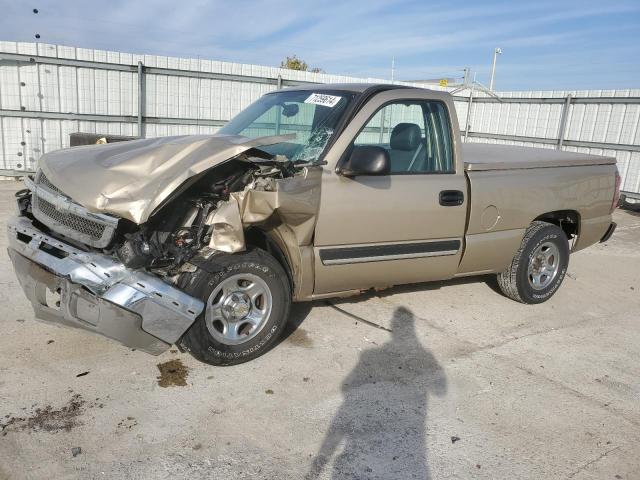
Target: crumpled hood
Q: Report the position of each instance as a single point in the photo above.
(130, 179)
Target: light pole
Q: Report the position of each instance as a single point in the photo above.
(496, 52)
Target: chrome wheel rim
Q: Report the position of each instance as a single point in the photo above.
(543, 267)
(238, 308)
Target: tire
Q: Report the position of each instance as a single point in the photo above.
(534, 276)
(227, 332)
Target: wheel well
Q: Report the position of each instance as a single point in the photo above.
(567, 220)
(255, 237)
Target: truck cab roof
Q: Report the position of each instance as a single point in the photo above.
(350, 87)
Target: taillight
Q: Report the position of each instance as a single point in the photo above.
(616, 195)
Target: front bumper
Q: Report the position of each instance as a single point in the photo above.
(95, 292)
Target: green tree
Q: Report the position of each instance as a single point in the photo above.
(295, 63)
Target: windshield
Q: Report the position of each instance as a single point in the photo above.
(311, 116)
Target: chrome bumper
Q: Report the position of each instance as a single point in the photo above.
(95, 292)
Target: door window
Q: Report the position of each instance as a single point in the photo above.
(416, 134)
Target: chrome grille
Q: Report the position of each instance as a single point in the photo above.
(58, 212)
(72, 221)
(44, 181)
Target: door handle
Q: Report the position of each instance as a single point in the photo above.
(451, 198)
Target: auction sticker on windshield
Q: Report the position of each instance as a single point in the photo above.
(322, 99)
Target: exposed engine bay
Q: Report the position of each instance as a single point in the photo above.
(183, 226)
(207, 213)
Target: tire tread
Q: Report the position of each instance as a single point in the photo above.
(508, 280)
(196, 344)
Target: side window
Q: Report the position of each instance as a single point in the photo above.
(416, 134)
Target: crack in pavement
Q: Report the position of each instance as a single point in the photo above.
(357, 317)
(586, 465)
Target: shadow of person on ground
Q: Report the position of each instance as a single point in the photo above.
(379, 430)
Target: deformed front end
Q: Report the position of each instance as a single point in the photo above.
(201, 241)
(103, 272)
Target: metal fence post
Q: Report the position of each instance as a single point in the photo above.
(468, 120)
(563, 121)
(279, 82)
(141, 100)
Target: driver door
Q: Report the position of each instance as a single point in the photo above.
(405, 227)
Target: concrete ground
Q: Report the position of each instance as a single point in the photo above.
(459, 382)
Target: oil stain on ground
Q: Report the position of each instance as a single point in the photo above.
(48, 419)
(173, 374)
(300, 338)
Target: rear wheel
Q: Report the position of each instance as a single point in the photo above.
(539, 265)
(247, 303)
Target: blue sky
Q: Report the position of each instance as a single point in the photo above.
(547, 45)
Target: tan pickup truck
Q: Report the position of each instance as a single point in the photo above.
(310, 192)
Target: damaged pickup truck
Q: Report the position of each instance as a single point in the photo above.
(311, 192)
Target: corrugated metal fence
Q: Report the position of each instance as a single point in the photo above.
(598, 122)
(49, 91)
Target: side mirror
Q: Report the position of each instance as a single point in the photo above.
(367, 160)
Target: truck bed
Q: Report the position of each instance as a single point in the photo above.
(486, 156)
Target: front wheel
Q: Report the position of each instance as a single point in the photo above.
(539, 266)
(247, 303)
